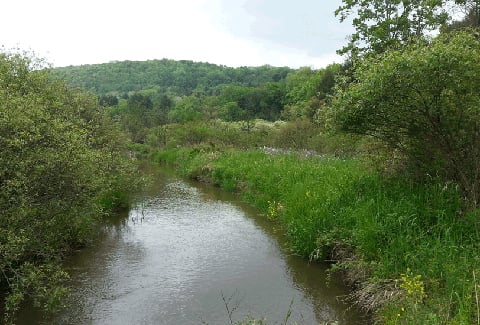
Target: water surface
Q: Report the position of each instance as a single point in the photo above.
(193, 254)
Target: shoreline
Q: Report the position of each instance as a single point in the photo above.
(370, 228)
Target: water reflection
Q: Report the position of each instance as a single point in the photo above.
(185, 252)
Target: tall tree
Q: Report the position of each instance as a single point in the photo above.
(383, 24)
(471, 15)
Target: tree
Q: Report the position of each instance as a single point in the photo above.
(240, 102)
(471, 15)
(61, 167)
(140, 102)
(186, 110)
(423, 101)
(233, 112)
(308, 90)
(472, 10)
(181, 78)
(212, 108)
(300, 87)
(165, 102)
(107, 100)
(383, 24)
(272, 100)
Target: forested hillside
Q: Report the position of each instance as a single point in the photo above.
(165, 76)
(145, 97)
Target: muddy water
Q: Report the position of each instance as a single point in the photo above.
(192, 254)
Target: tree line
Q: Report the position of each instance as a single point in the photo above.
(297, 95)
(180, 78)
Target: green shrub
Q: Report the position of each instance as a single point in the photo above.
(62, 164)
(424, 102)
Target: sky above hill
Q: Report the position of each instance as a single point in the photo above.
(229, 32)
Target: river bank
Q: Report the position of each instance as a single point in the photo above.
(190, 253)
(409, 252)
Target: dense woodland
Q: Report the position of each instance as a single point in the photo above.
(398, 121)
(159, 93)
(166, 76)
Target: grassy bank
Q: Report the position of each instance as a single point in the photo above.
(408, 249)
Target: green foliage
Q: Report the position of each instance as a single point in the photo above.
(186, 110)
(248, 94)
(381, 24)
(300, 84)
(301, 135)
(424, 102)
(108, 100)
(168, 94)
(140, 112)
(182, 78)
(403, 237)
(46, 282)
(298, 135)
(213, 134)
(60, 159)
(307, 91)
(471, 19)
(246, 103)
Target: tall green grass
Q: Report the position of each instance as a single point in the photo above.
(410, 241)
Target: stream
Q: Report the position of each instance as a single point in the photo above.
(189, 253)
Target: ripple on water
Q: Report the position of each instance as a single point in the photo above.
(181, 249)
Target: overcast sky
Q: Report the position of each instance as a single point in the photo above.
(230, 32)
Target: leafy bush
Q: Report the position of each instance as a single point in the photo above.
(424, 102)
(61, 162)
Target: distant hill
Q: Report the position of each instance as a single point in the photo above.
(165, 76)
